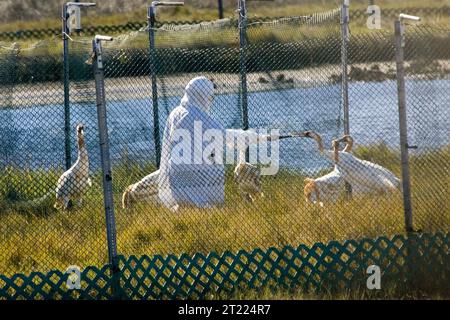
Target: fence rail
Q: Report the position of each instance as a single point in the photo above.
(284, 74)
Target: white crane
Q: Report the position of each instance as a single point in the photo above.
(365, 173)
(363, 176)
(73, 184)
(145, 190)
(325, 189)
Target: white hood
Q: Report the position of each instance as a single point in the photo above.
(199, 93)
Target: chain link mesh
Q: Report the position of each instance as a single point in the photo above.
(35, 235)
(293, 71)
(427, 74)
(374, 124)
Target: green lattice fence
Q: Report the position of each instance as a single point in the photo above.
(332, 267)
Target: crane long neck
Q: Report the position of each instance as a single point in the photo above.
(82, 152)
(349, 145)
(241, 156)
(319, 144)
(336, 151)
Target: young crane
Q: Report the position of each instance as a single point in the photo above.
(248, 176)
(73, 184)
(328, 188)
(145, 190)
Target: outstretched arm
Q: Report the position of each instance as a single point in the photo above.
(247, 138)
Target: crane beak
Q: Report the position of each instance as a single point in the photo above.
(345, 138)
(297, 135)
(80, 129)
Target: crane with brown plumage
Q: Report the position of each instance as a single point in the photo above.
(73, 184)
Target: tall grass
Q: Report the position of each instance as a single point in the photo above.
(39, 238)
(268, 50)
(46, 15)
(394, 290)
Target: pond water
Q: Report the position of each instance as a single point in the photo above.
(34, 137)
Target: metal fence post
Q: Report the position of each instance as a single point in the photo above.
(67, 7)
(105, 158)
(345, 20)
(242, 24)
(151, 20)
(220, 7)
(65, 32)
(345, 37)
(404, 147)
(153, 71)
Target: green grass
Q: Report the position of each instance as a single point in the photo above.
(39, 238)
(216, 50)
(396, 291)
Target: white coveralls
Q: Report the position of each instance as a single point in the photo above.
(183, 179)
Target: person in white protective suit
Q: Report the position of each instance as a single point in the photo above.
(194, 176)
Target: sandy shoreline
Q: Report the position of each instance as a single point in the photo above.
(117, 89)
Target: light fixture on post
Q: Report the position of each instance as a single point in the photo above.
(71, 19)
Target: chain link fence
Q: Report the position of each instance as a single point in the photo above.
(427, 73)
(373, 120)
(292, 72)
(282, 87)
(35, 235)
(357, 15)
